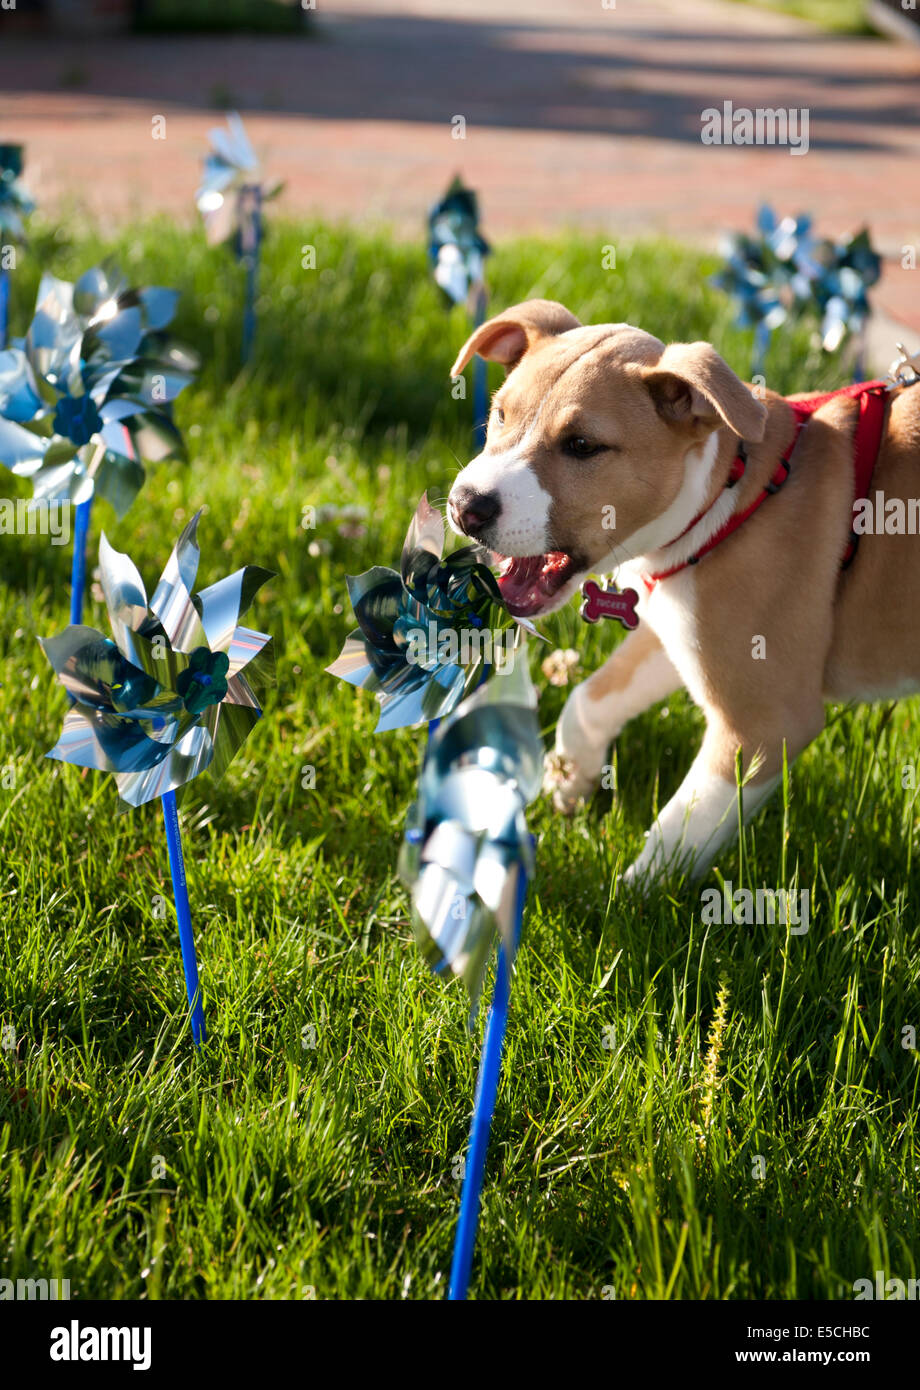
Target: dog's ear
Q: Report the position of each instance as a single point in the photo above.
(691, 385)
(506, 338)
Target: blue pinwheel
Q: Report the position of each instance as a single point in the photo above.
(83, 400)
(467, 854)
(15, 206)
(230, 198)
(85, 397)
(467, 844)
(177, 687)
(457, 252)
(466, 859)
(841, 290)
(427, 633)
(174, 691)
(770, 275)
(456, 247)
(785, 274)
(15, 202)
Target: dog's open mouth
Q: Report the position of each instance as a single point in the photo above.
(530, 582)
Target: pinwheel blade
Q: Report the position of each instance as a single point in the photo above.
(107, 742)
(250, 652)
(101, 284)
(426, 533)
(20, 450)
(232, 145)
(221, 606)
(19, 398)
(15, 202)
(172, 598)
(182, 762)
(156, 704)
(454, 930)
(125, 595)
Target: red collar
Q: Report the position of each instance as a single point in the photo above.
(872, 397)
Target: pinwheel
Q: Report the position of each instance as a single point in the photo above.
(457, 253)
(174, 691)
(840, 291)
(85, 397)
(15, 206)
(230, 198)
(427, 633)
(466, 860)
(770, 275)
(785, 273)
(467, 840)
(467, 853)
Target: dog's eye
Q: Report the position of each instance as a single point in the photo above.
(498, 415)
(581, 448)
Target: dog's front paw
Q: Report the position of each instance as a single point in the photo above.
(573, 770)
(565, 783)
(637, 879)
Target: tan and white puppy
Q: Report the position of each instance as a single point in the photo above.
(602, 447)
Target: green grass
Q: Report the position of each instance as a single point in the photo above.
(839, 16)
(287, 1167)
(254, 16)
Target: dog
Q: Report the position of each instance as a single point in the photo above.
(607, 451)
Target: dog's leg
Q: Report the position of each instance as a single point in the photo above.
(636, 676)
(698, 820)
(702, 815)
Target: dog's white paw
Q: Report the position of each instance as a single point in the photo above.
(574, 769)
(638, 878)
(659, 862)
(563, 781)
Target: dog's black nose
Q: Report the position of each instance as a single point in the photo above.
(473, 511)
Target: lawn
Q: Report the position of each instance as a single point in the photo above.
(648, 1139)
(840, 16)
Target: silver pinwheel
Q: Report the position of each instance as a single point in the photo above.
(770, 275)
(457, 253)
(15, 206)
(172, 692)
(456, 248)
(467, 845)
(177, 686)
(427, 633)
(85, 396)
(467, 854)
(230, 199)
(784, 273)
(15, 201)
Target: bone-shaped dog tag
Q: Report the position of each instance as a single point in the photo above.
(609, 603)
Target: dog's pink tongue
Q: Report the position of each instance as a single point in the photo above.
(523, 581)
(518, 581)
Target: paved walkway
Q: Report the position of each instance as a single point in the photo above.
(576, 114)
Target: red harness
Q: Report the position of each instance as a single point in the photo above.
(872, 397)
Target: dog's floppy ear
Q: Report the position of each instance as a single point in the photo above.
(690, 384)
(506, 338)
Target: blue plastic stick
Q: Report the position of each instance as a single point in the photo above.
(183, 916)
(761, 344)
(4, 305)
(480, 380)
(78, 563)
(483, 1107)
(251, 242)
